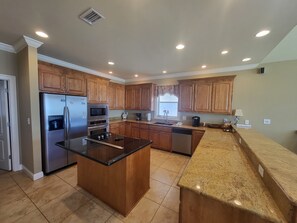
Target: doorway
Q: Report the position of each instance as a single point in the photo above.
(5, 149)
(9, 125)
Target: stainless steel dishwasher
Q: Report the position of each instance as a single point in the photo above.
(182, 140)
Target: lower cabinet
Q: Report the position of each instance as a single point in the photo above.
(117, 128)
(161, 137)
(196, 137)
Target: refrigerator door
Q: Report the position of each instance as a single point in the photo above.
(77, 123)
(52, 122)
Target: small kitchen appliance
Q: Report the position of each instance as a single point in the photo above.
(195, 121)
(149, 117)
(124, 115)
(138, 116)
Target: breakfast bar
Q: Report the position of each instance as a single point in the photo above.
(115, 171)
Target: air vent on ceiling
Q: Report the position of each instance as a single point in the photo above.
(91, 16)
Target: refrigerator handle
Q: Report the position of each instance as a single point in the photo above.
(65, 122)
(69, 123)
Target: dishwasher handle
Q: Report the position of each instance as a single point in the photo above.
(182, 131)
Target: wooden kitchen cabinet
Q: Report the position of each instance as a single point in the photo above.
(75, 83)
(144, 132)
(51, 78)
(97, 89)
(161, 137)
(116, 96)
(114, 128)
(186, 96)
(206, 95)
(128, 129)
(135, 130)
(196, 137)
(222, 96)
(140, 97)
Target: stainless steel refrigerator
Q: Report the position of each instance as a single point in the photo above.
(62, 117)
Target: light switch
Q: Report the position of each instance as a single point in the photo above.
(28, 121)
(267, 121)
(246, 122)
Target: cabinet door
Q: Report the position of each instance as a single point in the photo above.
(202, 97)
(146, 97)
(222, 97)
(122, 129)
(111, 98)
(128, 129)
(114, 128)
(51, 79)
(130, 95)
(144, 134)
(120, 97)
(102, 90)
(134, 131)
(137, 97)
(75, 84)
(196, 137)
(92, 90)
(154, 136)
(186, 93)
(165, 141)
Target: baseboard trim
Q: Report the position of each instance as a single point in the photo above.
(34, 176)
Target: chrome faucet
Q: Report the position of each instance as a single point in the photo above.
(166, 112)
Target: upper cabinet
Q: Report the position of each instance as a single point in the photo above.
(97, 89)
(140, 97)
(206, 95)
(56, 79)
(116, 96)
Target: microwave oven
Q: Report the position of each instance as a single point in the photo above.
(97, 112)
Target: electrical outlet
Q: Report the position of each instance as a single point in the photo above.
(246, 122)
(267, 121)
(261, 170)
(28, 121)
(184, 118)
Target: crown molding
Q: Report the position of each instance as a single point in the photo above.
(77, 67)
(26, 41)
(7, 48)
(195, 73)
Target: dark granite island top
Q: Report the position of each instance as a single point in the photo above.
(104, 154)
(117, 172)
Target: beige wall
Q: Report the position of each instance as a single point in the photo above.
(29, 107)
(8, 63)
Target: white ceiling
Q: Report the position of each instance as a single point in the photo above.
(140, 35)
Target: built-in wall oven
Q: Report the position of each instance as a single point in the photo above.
(98, 119)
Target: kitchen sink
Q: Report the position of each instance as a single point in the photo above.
(163, 123)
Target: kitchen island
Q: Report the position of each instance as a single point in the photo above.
(117, 174)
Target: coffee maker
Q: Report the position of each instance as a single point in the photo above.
(195, 121)
(138, 116)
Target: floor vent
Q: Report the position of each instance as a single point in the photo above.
(91, 16)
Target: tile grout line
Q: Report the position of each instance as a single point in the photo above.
(30, 200)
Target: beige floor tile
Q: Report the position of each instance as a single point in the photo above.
(103, 205)
(15, 210)
(6, 182)
(142, 213)
(61, 207)
(33, 217)
(90, 212)
(171, 200)
(153, 168)
(11, 194)
(29, 185)
(164, 176)
(69, 175)
(45, 194)
(173, 165)
(165, 215)
(157, 191)
(114, 219)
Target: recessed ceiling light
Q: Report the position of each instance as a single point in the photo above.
(224, 52)
(180, 46)
(262, 33)
(41, 34)
(246, 59)
(135, 75)
(203, 66)
(111, 63)
(110, 72)
(164, 71)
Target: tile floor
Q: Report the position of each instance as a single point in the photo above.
(57, 198)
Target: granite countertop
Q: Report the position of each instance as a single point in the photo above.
(104, 154)
(279, 162)
(219, 169)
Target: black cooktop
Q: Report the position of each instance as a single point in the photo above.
(106, 148)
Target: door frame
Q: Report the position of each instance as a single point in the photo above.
(14, 125)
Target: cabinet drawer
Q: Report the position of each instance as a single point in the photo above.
(160, 128)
